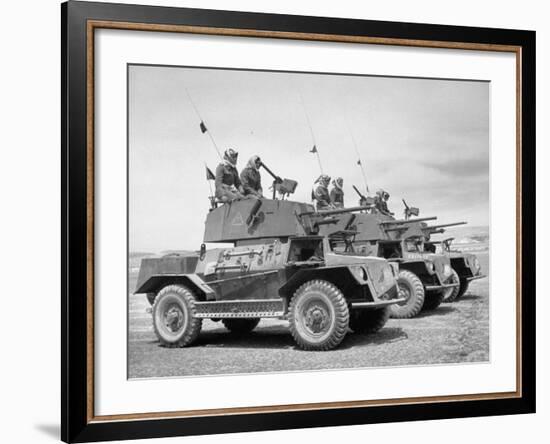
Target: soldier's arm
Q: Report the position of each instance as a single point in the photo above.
(245, 181)
(322, 197)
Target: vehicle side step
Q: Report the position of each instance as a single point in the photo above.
(253, 308)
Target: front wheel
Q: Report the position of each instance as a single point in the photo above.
(411, 288)
(173, 316)
(368, 321)
(318, 316)
(450, 294)
(464, 284)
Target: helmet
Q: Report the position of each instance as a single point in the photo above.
(339, 182)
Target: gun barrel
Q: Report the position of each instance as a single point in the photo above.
(358, 192)
(331, 212)
(407, 221)
(275, 177)
(437, 227)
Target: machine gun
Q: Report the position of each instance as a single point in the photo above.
(410, 211)
(434, 229)
(364, 201)
(281, 186)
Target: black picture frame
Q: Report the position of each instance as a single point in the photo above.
(77, 424)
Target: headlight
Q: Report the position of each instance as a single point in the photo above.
(359, 272)
(477, 265)
(430, 266)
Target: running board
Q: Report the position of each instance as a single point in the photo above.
(254, 308)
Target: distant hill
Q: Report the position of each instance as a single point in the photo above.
(468, 238)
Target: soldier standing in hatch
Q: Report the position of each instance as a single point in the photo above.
(320, 192)
(337, 193)
(228, 184)
(250, 178)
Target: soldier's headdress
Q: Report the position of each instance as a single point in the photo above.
(231, 156)
(338, 182)
(323, 179)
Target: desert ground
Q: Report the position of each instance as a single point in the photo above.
(453, 333)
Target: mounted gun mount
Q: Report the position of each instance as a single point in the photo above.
(410, 211)
(364, 201)
(285, 187)
(278, 266)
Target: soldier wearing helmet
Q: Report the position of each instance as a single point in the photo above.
(381, 202)
(250, 178)
(337, 193)
(320, 192)
(228, 184)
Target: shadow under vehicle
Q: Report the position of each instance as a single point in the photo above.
(278, 265)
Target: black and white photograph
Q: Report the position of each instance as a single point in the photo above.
(304, 221)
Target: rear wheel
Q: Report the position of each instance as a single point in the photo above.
(410, 287)
(241, 326)
(368, 321)
(318, 316)
(450, 294)
(173, 316)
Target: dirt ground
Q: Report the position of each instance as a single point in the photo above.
(453, 333)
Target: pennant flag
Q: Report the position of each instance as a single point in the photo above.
(359, 162)
(314, 149)
(203, 127)
(210, 174)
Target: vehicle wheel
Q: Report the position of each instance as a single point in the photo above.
(464, 284)
(241, 326)
(410, 286)
(318, 316)
(368, 321)
(450, 294)
(173, 316)
(433, 299)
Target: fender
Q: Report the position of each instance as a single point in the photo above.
(157, 281)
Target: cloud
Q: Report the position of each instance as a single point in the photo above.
(461, 167)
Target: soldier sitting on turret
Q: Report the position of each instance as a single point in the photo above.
(250, 178)
(381, 202)
(228, 184)
(320, 192)
(337, 193)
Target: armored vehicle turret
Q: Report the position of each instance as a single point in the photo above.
(279, 264)
(424, 277)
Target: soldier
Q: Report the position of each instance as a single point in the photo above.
(320, 192)
(250, 178)
(337, 193)
(228, 184)
(381, 202)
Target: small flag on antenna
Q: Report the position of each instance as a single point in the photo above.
(203, 127)
(359, 162)
(210, 174)
(314, 149)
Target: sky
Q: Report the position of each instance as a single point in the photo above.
(424, 140)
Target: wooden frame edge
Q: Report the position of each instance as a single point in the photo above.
(97, 24)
